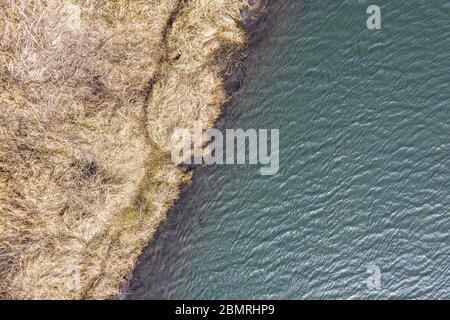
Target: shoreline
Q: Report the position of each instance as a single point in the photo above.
(256, 31)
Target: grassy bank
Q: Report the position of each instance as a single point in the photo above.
(90, 93)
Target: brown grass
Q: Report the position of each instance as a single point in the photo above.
(86, 113)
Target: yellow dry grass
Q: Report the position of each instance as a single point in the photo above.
(90, 92)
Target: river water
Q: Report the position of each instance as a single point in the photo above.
(364, 180)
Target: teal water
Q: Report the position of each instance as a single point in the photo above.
(364, 167)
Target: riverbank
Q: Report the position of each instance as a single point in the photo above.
(91, 93)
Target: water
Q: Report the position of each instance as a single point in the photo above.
(365, 167)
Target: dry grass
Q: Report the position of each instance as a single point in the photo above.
(86, 112)
(208, 33)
